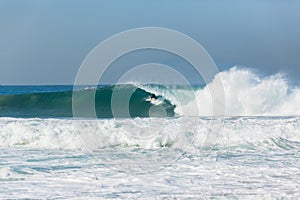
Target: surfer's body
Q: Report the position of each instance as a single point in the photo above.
(153, 97)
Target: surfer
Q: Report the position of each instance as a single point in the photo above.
(153, 97)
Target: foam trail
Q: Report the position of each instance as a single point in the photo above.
(247, 94)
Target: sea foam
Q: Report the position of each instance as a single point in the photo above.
(149, 133)
(247, 94)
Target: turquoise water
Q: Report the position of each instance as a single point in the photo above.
(56, 101)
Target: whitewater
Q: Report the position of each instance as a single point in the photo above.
(175, 150)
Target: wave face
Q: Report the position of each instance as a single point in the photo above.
(58, 104)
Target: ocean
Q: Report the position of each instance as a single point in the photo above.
(152, 150)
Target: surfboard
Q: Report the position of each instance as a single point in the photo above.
(155, 101)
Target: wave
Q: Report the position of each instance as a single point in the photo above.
(265, 133)
(246, 94)
(58, 104)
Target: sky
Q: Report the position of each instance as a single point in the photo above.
(45, 41)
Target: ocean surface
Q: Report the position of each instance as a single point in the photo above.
(162, 149)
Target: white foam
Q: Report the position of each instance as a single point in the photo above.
(148, 133)
(234, 172)
(247, 94)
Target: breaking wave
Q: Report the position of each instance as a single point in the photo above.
(246, 94)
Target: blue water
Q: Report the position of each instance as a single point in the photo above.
(5, 90)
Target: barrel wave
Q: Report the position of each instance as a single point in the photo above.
(59, 104)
